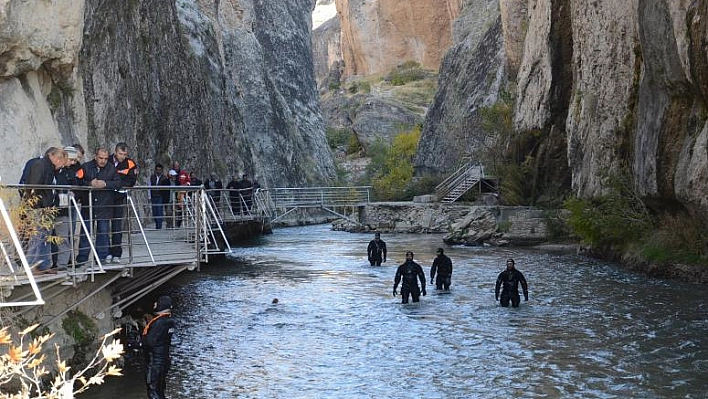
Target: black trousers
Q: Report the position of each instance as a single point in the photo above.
(155, 378)
(414, 292)
(510, 296)
(443, 282)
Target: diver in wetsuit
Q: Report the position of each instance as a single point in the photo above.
(376, 251)
(156, 340)
(443, 266)
(409, 271)
(510, 279)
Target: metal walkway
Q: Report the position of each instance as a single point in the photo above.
(193, 230)
(462, 180)
(280, 202)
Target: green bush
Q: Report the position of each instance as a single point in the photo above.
(680, 238)
(339, 137)
(611, 221)
(391, 168)
(409, 71)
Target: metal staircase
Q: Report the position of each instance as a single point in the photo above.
(458, 183)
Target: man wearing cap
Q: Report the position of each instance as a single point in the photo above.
(443, 266)
(509, 281)
(156, 341)
(127, 169)
(410, 272)
(66, 176)
(376, 251)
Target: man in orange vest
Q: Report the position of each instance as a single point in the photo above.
(156, 341)
(128, 171)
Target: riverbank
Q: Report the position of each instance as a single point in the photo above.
(473, 225)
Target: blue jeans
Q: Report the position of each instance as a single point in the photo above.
(116, 245)
(158, 211)
(39, 250)
(103, 228)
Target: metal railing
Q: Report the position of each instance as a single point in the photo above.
(188, 232)
(282, 201)
(455, 185)
(89, 223)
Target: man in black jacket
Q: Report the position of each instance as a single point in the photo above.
(127, 170)
(214, 186)
(443, 266)
(100, 175)
(156, 341)
(42, 172)
(409, 272)
(156, 180)
(510, 280)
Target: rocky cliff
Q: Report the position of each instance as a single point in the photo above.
(380, 34)
(600, 89)
(222, 86)
(626, 82)
(471, 76)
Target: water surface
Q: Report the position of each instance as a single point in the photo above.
(589, 330)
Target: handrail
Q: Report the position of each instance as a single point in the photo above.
(198, 223)
(21, 254)
(461, 175)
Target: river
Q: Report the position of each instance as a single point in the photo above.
(589, 330)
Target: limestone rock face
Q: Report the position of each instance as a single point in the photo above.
(377, 35)
(631, 99)
(327, 53)
(371, 117)
(224, 86)
(471, 75)
(41, 103)
(53, 37)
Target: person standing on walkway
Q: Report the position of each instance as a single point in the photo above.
(156, 180)
(509, 281)
(42, 172)
(234, 195)
(409, 272)
(168, 198)
(213, 187)
(100, 175)
(64, 226)
(443, 266)
(376, 251)
(127, 170)
(156, 342)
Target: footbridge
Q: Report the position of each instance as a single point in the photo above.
(196, 225)
(280, 202)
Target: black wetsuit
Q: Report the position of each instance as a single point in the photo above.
(443, 265)
(376, 251)
(157, 337)
(510, 280)
(410, 272)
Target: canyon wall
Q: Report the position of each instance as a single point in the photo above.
(380, 34)
(224, 86)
